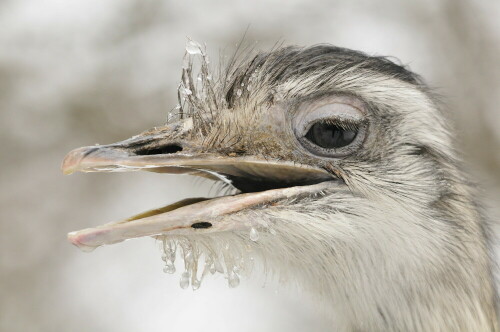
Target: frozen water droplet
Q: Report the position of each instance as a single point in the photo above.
(254, 235)
(186, 91)
(249, 88)
(242, 84)
(233, 280)
(178, 107)
(193, 47)
(164, 257)
(239, 92)
(195, 284)
(209, 77)
(199, 77)
(169, 268)
(212, 269)
(184, 282)
(272, 231)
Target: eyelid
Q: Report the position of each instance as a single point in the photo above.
(340, 109)
(336, 111)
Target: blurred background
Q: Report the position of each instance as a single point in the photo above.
(80, 72)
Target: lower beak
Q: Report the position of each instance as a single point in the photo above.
(262, 182)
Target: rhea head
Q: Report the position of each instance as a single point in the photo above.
(343, 180)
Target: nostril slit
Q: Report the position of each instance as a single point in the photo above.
(201, 225)
(164, 149)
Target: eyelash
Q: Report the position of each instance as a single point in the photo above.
(345, 124)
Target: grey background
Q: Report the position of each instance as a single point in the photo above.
(80, 72)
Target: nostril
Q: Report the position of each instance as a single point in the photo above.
(201, 225)
(164, 149)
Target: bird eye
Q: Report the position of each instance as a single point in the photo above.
(330, 136)
(332, 127)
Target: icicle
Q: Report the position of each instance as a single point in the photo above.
(233, 279)
(186, 91)
(193, 47)
(169, 268)
(184, 281)
(206, 269)
(212, 268)
(188, 257)
(195, 284)
(227, 260)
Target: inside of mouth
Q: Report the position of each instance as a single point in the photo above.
(256, 184)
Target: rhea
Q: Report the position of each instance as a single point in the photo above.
(345, 182)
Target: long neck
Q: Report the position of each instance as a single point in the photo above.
(387, 269)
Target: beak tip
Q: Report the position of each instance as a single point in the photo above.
(73, 159)
(75, 239)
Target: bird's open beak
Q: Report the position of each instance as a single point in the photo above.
(167, 150)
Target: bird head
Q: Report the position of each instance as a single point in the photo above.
(343, 175)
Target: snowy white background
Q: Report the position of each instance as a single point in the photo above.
(79, 72)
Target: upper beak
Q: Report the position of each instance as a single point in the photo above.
(171, 149)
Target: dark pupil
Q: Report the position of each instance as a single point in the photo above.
(330, 136)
